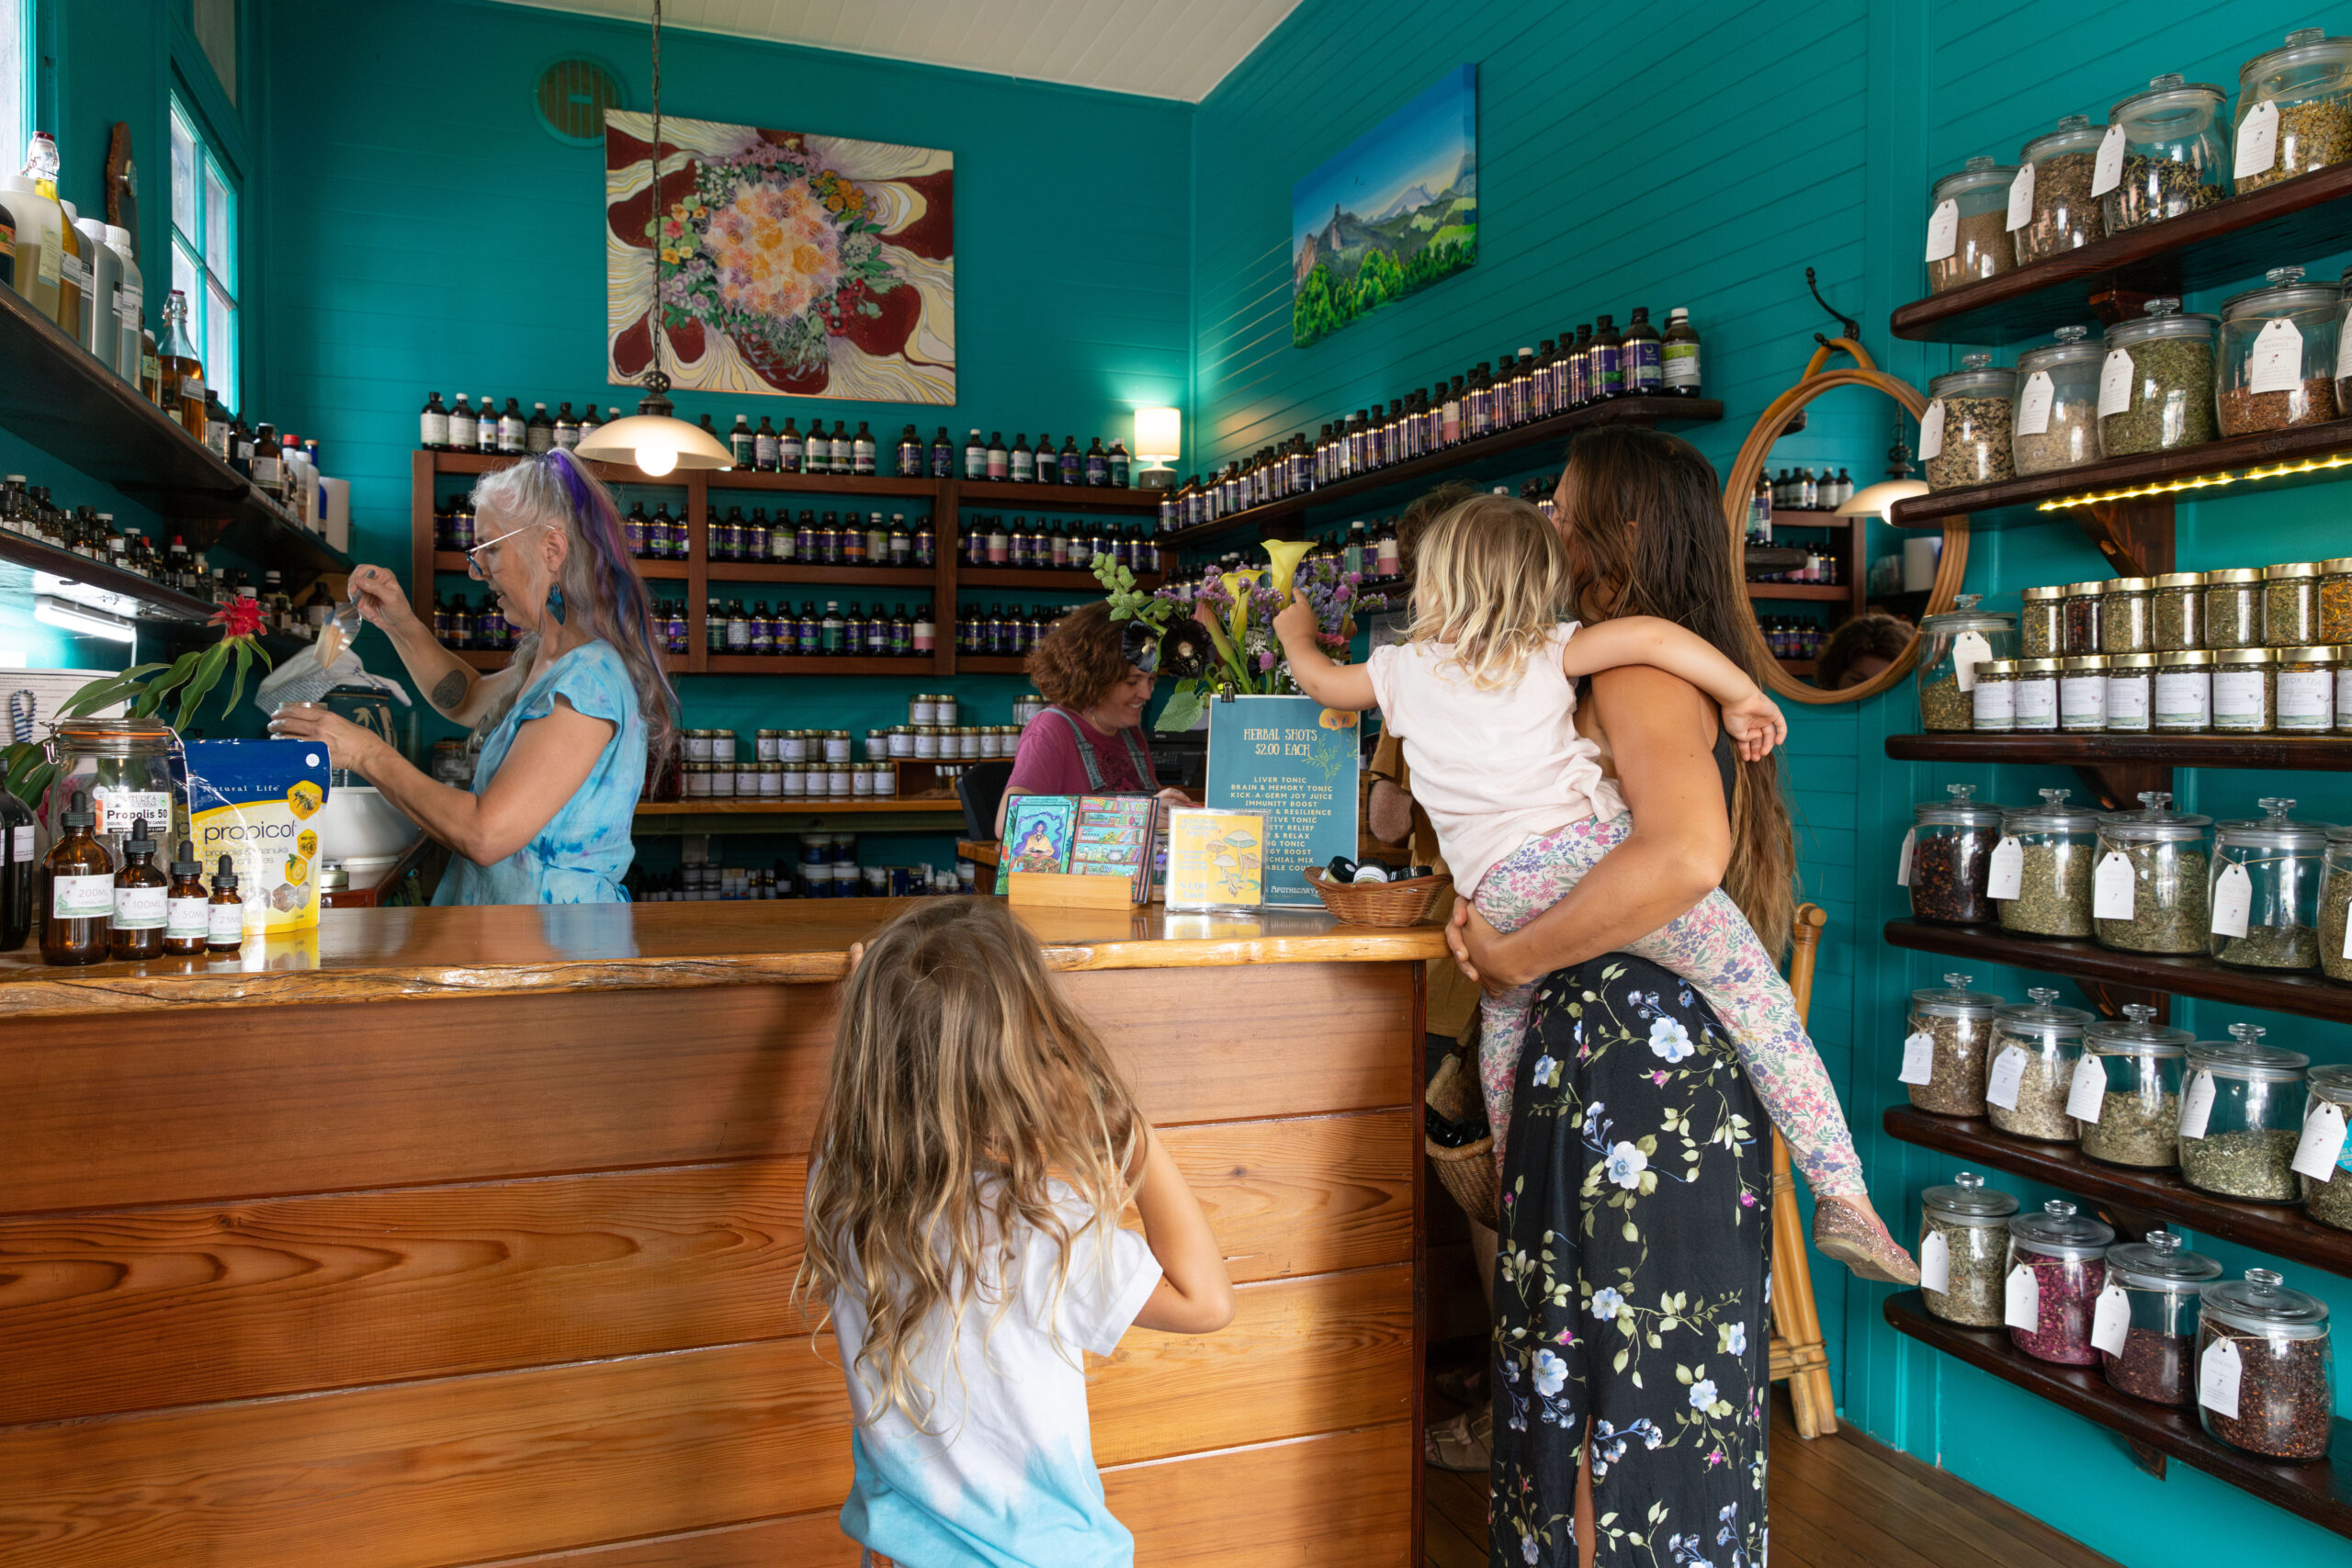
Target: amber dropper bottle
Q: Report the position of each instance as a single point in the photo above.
(76, 891)
(141, 899)
(225, 916)
(184, 916)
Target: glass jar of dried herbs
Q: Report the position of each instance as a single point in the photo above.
(2063, 215)
(2082, 695)
(2176, 155)
(1944, 1053)
(2335, 905)
(1993, 705)
(2264, 893)
(2057, 1268)
(2234, 608)
(1954, 644)
(2277, 355)
(2283, 1402)
(1968, 237)
(2155, 387)
(2245, 691)
(2127, 615)
(2148, 1349)
(1950, 855)
(2036, 1046)
(2183, 700)
(2148, 887)
(1964, 434)
(2294, 111)
(2178, 611)
(2131, 678)
(2126, 1091)
(2041, 621)
(2057, 413)
(2328, 1198)
(2037, 699)
(2039, 877)
(2336, 591)
(1964, 1249)
(2241, 1117)
(2290, 603)
(2079, 634)
(2306, 687)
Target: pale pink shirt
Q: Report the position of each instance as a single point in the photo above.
(1491, 768)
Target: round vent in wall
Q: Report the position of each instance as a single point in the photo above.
(572, 95)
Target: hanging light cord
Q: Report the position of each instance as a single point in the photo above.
(653, 316)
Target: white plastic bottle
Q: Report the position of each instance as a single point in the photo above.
(100, 334)
(130, 306)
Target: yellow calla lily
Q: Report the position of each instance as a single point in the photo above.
(1238, 584)
(1286, 553)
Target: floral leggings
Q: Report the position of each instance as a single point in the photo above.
(1714, 948)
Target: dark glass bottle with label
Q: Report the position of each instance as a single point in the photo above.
(184, 905)
(538, 431)
(1022, 463)
(1073, 463)
(861, 449)
(225, 912)
(1041, 462)
(742, 444)
(908, 464)
(976, 457)
(766, 446)
(514, 429)
(843, 454)
(1681, 352)
(1000, 461)
(76, 891)
(1608, 359)
(943, 456)
(1643, 356)
(1098, 464)
(142, 897)
(925, 546)
(434, 432)
(567, 430)
(18, 872)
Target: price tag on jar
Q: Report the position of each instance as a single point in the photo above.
(2197, 1106)
(1943, 230)
(1969, 650)
(2115, 374)
(2022, 199)
(2323, 1141)
(2233, 899)
(1919, 1059)
(2021, 1305)
(2111, 887)
(2005, 877)
(2108, 172)
(2001, 1083)
(1935, 1263)
(1902, 860)
(2343, 357)
(2276, 362)
(2087, 1091)
(2219, 1371)
(2033, 405)
(2257, 143)
(1931, 430)
(2111, 1319)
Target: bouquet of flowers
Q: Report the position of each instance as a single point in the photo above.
(1216, 635)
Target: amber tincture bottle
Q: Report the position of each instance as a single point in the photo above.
(76, 891)
(141, 899)
(186, 921)
(224, 929)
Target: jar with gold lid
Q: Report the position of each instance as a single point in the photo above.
(2181, 700)
(1995, 700)
(2126, 616)
(794, 780)
(2234, 608)
(2130, 679)
(2036, 698)
(2290, 603)
(2041, 622)
(2082, 695)
(2080, 632)
(2335, 601)
(2245, 691)
(2178, 611)
(2306, 687)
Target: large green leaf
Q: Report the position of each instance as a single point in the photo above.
(207, 676)
(106, 691)
(246, 649)
(163, 686)
(1183, 710)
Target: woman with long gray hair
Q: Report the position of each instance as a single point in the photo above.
(566, 727)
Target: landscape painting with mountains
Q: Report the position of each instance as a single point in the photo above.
(1391, 215)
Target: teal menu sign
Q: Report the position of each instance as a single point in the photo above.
(1296, 760)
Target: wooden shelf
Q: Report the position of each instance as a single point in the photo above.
(2004, 498)
(106, 587)
(989, 665)
(1839, 591)
(985, 495)
(2319, 754)
(912, 579)
(872, 485)
(1798, 667)
(2303, 992)
(2320, 1492)
(454, 563)
(868, 806)
(1485, 453)
(469, 463)
(1809, 517)
(1045, 580)
(2234, 238)
(2279, 1229)
(814, 664)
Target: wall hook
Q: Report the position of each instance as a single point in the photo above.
(1852, 329)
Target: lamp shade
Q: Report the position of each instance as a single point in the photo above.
(653, 443)
(1878, 501)
(1159, 434)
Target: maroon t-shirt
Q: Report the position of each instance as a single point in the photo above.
(1047, 762)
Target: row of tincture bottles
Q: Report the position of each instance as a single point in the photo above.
(854, 633)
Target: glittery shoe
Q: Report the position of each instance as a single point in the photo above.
(1856, 1238)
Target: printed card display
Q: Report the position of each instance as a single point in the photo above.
(1216, 859)
(1037, 834)
(1115, 836)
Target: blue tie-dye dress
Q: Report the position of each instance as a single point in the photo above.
(581, 854)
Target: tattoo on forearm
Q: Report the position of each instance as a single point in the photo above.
(450, 690)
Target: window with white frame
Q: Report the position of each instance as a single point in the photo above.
(15, 81)
(204, 250)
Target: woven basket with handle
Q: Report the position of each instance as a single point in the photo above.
(1405, 903)
(1467, 1173)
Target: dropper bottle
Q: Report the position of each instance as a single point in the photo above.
(77, 890)
(142, 897)
(185, 920)
(224, 922)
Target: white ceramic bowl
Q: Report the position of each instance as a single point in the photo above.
(357, 824)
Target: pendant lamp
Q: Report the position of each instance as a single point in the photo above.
(653, 439)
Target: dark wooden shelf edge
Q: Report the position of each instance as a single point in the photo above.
(2304, 993)
(989, 665)
(981, 495)
(2319, 1491)
(2275, 1228)
(2300, 445)
(2313, 752)
(167, 604)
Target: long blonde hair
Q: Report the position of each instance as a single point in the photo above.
(962, 1080)
(1491, 584)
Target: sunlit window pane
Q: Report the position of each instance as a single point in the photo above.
(186, 277)
(184, 205)
(220, 346)
(219, 225)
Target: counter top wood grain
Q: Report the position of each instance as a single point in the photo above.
(361, 955)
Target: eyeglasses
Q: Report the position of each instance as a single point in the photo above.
(474, 568)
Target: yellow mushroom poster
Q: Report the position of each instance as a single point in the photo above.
(1215, 860)
(1294, 762)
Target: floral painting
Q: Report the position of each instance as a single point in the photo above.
(793, 264)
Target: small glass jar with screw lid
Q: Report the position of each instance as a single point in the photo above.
(2182, 699)
(2127, 616)
(2245, 691)
(2041, 621)
(2336, 602)
(2290, 603)
(2036, 697)
(2177, 604)
(2082, 695)
(2234, 608)
(2130, 680)
(1993, 703)
(2126, 1094)
(2306, 689)
(2081, 628)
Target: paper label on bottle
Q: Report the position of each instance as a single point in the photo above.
(2344, 355)
(2220, 1368)
(224, 923)
(1943, 230)
(1931, 430)
(2033, 405)
(2232, 898)
(2127, 701)
(2323, 1141)
(75, 270)
(2087, 1091)
(1918, 1058)
(2257, 143)
(2197, 1105)
(2115, 376)
(2022, 203)
(2001, 1083)
(2276, 362)
(2082, 700)
(130, 304)
(50, 266)
(2022, 1304)
(2306, 699)
(1903, 859)
(2182, 698)
(140, 908)
(1994, 703)
(2238, 693)
(1968, 650)
(2111, 886)
(2037, 702)
(2005, 877)
(82, 898)
(117, 807)
(2108, 172)
(185, 917)
(1935, 1263)
(20, 844)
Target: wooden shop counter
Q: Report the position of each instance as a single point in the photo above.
(448, 1237)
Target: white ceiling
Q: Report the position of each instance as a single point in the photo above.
(1161, 49)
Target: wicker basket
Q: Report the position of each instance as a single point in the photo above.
(1405, 903)
(1467, 1173)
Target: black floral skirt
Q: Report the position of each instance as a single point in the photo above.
(1632, 1286)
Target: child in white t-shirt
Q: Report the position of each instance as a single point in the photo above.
(1480, 693)
(974, 1153)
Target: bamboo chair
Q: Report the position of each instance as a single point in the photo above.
(1798, 1352)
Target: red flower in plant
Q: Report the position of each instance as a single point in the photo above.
(242, 617)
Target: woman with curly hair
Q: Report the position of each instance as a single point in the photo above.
(1090, 741)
